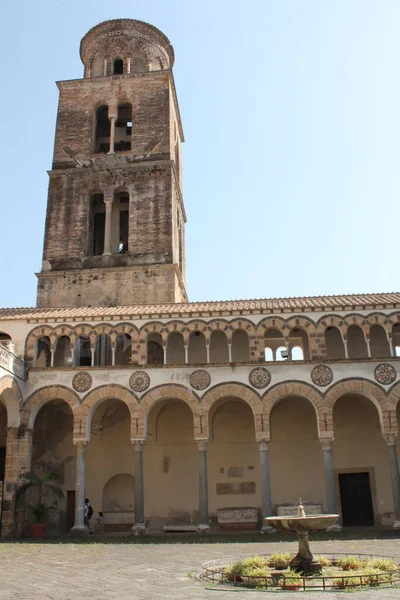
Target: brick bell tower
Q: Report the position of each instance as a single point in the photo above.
(115, 218)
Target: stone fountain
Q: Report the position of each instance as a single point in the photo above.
(304, 561)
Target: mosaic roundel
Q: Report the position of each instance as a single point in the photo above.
(139, 381)
(82, 382)
(385, 373)
(259, 377)
(200, 380)
(321, 375)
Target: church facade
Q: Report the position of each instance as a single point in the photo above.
(169, 414)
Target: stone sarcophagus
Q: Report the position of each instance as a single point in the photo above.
(237, 518)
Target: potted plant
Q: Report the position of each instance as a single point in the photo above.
(292, 581)
(44, 485)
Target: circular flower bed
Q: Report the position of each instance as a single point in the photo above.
(338, 571)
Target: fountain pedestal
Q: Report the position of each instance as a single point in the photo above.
(304, 562)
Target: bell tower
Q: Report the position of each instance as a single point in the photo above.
(115, 220)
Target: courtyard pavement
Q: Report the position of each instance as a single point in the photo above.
(125, 570)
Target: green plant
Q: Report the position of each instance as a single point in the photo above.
(254, 562)
(257, 577)
(350, 563)
(324, 560)
(382, 564)
(279, 560)
(292, 580)
(40, 484)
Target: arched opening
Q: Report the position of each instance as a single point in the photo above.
(123, 128)
(175, 349)
(282, 353)
(240, 346)
(233, 458)
(97, 224)
(273, 339)
(361, 463)
(108, 455)
(62, 355)
(3, 441)
(102, 137)
(43, 352)
(138, 65)
(197, 348)
(4, 337)
(155, 351)
(356, 343)
(171, 459)
(219, 352)
(379, 343)
(123, 350)
(118, 66)
(334, 343)
(103, 353)
(396, 339)
(83, 353)
(120, 223)
(299, 348)
(296, 460)
(53, 451)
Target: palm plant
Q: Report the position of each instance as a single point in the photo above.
(41, 484)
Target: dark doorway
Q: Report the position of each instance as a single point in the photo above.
(2, 462)
(70, 508)
(356, 499)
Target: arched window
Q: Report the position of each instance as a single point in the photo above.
(175, 349)
(123, 128)
(281, 353)
(268, 354)
(121, 217)
(197, 348)
(43, 353)
(297, 353)
(379, 343)
(97, 220)
(123, 350)
(219, 351)
(396, 338)
(102, 354)
(118, 66)
(334, 343)
(356, 343)
(4, 337)
(240, 346)
(155, 352)
(62, 355)
(102, 138)
(83, 354)
(299, 339)
(273, 339)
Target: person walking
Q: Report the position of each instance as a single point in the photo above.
(88, 513)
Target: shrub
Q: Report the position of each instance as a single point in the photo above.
(257, 577)
(325, 561)
(365, 577)
(280, 560)
(255, 562)
(382, 564)
(235, 570)
(291, 580)
(350, 563)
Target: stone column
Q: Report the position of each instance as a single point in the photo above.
(79, 525)
(266, 501)
(139, 527)
(92, 351)
(52, 353)
(128, 65)
(367, 340)
(113, 351)
(390, 439)
(203, 486)
(346, 353)
(208, 352)
(186, 355)
(165, 353)
(108, 226)
(230, 352)
(330, 481)
(72, 355)
(113, 118)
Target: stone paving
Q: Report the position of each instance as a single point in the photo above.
(100, 571)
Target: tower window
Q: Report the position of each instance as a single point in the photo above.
(102, 143)
(118, 66)
(98, 224)
(123, 128)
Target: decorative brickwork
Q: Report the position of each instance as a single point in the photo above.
(139, 381)
(200, 379)
(385, 374)
(259, 378)
(82, 382)
(321, 375)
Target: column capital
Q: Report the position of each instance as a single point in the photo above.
(80, 445)
(390, 438)
(138, 444)
(326, 443)
(262, 444)
(202, 444)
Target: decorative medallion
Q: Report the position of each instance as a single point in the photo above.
(259, 377)
(385, 373)
(200, 380)
(321, 375)
(82, 382)
(139, 381)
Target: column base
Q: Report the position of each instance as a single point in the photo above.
(335, 528)
(139, 529)
(267, 529)
(203, 529)
(80, 530)
(396, 525)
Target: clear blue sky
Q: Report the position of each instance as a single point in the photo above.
(291, 113)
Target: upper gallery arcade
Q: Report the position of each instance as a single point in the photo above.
(164, 412)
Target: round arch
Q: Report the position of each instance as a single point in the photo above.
(171, 392)
(46, 394)
(12, 397)
(271, 323)
(95, 397)
(295, 388)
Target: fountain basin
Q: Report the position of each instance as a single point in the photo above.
(310, 523)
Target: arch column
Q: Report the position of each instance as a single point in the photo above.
(203, 486)
(139, 528)
(113, 119)
(108, 202)
(326, 445)
(390, 439)
(79, 524)
(266, 500)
